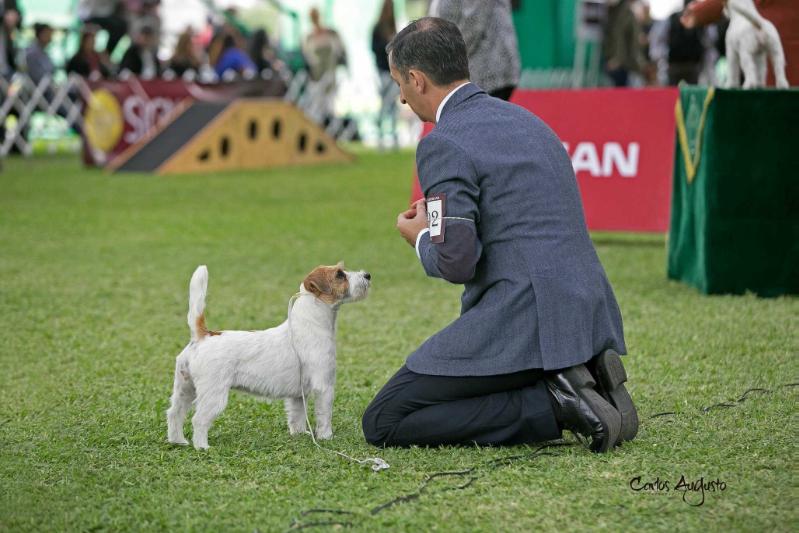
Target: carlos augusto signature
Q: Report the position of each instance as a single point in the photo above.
(693, 490)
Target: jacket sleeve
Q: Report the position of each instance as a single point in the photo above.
(445, 168)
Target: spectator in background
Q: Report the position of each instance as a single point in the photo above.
(685, 51)
(144, 14)
(40, 66)
(11, 22)
(37, 61)
(185, 57)
(322, 48)
(141, 58)
(382, 34)
(621, 46)
(87, 62)
(109, 15)
(324, 52)
(491, 44)
(232, 58)
(262, 54)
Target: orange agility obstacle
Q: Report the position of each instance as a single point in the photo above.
(237, 135)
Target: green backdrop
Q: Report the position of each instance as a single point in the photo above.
(735, 204)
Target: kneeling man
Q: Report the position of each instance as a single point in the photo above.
(535, 349)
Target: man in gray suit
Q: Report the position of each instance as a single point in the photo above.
(535, 349)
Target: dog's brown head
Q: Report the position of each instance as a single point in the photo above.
(334, 285)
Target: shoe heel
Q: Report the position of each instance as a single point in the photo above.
(610, 370)
(612, 376)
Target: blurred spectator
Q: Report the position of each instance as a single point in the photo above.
(12, 21)
(491, 44)
(621, 47)
(232, 58)
(144, 14)
(385, 29)
(383, 32)
(40, 65)
(185, 57)
(37, 60)
(686, 51)
(324, 52)
(323, 49)
(262, 54)
(87, 62)
(234, 23)
(108, 15)
(141, 58)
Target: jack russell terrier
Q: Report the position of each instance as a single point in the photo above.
(750, 41)
(288, 361)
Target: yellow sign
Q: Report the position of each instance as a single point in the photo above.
(103, 121)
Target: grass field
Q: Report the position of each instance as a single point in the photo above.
(94, 273)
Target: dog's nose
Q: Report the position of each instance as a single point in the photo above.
(367, 275)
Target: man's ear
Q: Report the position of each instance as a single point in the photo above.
(418, 80)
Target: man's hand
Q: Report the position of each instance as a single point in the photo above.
(412, 221)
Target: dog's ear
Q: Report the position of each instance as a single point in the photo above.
(340, 265)
(317, 282)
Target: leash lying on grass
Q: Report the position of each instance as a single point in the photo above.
(377, 463)
(331, 516)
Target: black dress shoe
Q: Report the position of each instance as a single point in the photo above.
(609, 373)
(579, 408)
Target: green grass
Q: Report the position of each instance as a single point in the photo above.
(94, 273)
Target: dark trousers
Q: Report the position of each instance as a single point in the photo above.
(488, 410)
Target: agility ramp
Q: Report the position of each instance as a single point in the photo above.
(237, 135)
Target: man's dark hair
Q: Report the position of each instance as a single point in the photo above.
(433, 45)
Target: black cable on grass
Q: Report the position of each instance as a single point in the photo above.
(426, 486)
(492, 464)
(731, 403)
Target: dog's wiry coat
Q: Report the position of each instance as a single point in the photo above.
(264, 363)
(751, 42)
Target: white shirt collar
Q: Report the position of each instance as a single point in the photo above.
(444, 101)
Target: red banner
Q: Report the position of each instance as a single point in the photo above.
(118, 114)
(621, 143)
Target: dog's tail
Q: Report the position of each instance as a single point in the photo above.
(196, 316)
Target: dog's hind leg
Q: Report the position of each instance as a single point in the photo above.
(777, 57)
(295, 413)
(182, 396)
(211, 401)
(733, 67)
(750, 67)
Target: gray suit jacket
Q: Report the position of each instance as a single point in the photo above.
(535, 295)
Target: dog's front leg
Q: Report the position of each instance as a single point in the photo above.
(295, 412)
(324, 413)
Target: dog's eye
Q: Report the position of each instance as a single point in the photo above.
(340, 274)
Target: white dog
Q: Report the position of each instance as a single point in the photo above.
(751, 39)
(274, 363)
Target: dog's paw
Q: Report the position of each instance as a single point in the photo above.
(297, 429)
(201, 446)
(179, 442)
(324, 434)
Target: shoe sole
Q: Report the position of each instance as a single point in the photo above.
(611, 376)
(607, 414)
